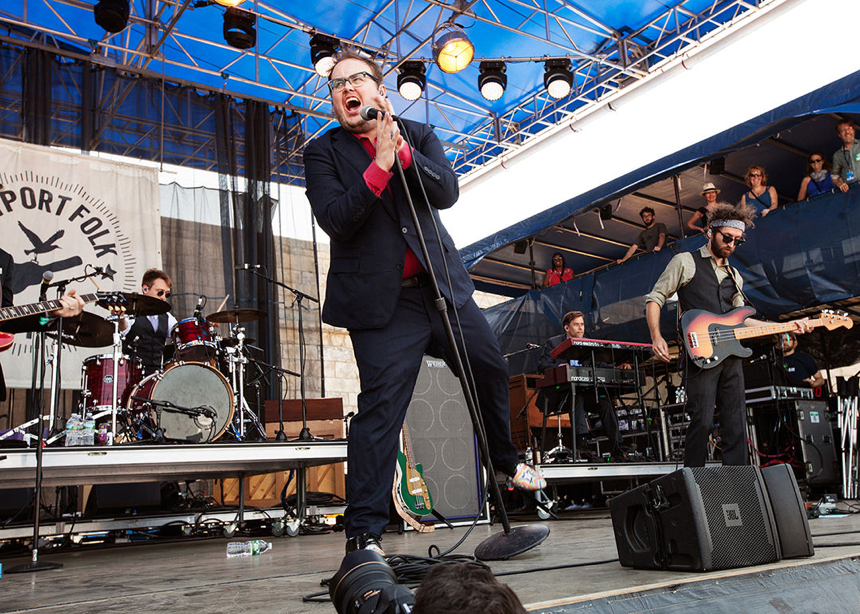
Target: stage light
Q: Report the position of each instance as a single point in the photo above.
(112, 15)
(492, 79)
(411, 80)
(239, 29)
(322, 53)
(452, 49)
(229, 3)
(557, 77)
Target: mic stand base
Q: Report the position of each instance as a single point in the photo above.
(305, 435)
(280, 435)
(502, 546)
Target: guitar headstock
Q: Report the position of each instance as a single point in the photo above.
(832, 320)
(115, 302)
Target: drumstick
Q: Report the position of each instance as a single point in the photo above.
(224, 302)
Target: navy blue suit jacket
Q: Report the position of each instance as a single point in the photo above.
(367, 232)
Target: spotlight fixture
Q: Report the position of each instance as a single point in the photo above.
(557, 77)
(239, 29)
(112, 15)
(411, 80)
(452, 49)
(229, 3)
(322, 53)
(492, 79)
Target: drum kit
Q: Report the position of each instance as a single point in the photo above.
(192, 398)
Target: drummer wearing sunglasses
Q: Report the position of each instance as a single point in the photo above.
(146, 336)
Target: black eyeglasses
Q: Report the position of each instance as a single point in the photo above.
(164, 293)
(816, 161)
(728, 239)
(355, 80)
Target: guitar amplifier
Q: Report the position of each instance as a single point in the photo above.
(443, 441)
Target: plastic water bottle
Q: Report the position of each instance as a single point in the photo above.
(88, 432)
(250, 548)
(73, 430)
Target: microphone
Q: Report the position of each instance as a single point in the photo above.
(47, 276)
(758, 359)
(368, 112)
(246, 267)
(199, 309)
(532, 346)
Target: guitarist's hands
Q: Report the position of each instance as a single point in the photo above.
(802, 326)
(72, 305)
(660, 348)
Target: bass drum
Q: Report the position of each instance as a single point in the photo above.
(189, 385)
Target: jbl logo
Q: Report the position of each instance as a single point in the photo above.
(732, 514)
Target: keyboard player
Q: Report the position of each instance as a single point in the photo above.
(558, 401)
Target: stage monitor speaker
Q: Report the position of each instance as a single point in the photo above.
(124, 498)
(443, 441)
(697, 519)
(606, 212)
(795, 538)
(717, 166)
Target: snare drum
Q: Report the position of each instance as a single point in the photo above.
(194, 386)
(98, 381)
(193, 340)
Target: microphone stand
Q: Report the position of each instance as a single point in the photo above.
(39, 403)
(305, 434)
(514, 540)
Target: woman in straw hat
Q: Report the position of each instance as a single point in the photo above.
(709, 191)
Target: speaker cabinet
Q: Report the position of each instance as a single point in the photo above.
(795, 538)
(697, 519)
(817, 443)
(443, 441)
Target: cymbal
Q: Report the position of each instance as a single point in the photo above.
(143, 305)
(232, 341)
(86, 330)
(232, 316)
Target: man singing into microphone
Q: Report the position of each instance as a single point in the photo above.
(378, 286)
(146, 337)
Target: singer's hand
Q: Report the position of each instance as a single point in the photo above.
(388, 140)
(72, 305)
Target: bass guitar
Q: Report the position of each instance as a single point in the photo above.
(710, 338)
(105, 299)
(411, 495)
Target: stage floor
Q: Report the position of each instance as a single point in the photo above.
(195, 575)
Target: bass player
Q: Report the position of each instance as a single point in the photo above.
(704, 279)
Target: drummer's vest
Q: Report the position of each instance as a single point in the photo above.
(703, 291)
(146, 344)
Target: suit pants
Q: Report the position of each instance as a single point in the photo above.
(721, 387)
(388, 361)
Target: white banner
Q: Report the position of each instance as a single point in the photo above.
(69, 213)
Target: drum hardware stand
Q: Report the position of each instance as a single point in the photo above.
(305, 434)
(280, 435)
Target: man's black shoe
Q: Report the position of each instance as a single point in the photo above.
(365, 541)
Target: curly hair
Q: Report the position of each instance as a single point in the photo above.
(726, 211)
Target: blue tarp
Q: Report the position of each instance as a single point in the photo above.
(801, 256)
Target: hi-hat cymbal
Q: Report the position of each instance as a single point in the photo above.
(86, 330)
(233, 316)
(143, 305)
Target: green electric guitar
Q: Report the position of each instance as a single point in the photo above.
(411, 493)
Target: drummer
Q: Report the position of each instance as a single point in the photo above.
(145, 337)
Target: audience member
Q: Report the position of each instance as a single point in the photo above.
(652, 239)
(846, 159)
(709, 192)
(800, 367)
(818, 179)
(455, 588)
(558, 272)
(760, 196)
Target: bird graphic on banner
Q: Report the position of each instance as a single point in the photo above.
(39, 246)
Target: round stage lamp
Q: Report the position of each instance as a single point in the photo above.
(239, 29)
(557, 77)
(411, 80)
(112, 15)
(452, 49)
(492, 80)
(229, 3)
(323, 49)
